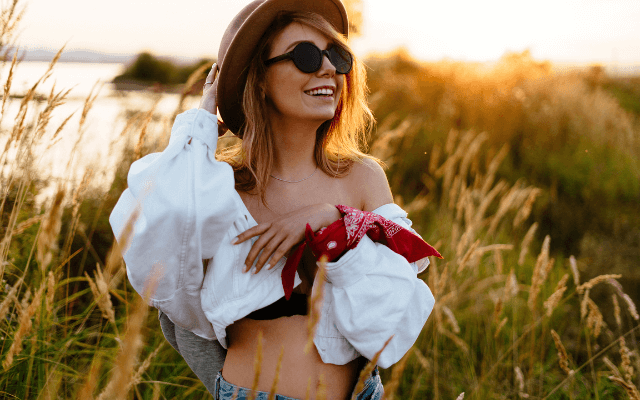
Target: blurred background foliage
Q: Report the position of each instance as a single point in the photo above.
(575, 136)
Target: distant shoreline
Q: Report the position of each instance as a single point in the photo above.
(87, 57)
(94, 57)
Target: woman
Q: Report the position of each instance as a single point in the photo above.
(291, 89)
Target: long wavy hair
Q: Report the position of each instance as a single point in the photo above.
(340, 141)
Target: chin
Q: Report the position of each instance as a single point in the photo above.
(322, 116)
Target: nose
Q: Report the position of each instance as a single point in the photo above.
(326, 68)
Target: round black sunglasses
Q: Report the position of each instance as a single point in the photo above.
(307, 57)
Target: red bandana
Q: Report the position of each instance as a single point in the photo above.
(346, 233)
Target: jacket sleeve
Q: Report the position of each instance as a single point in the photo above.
(396, 214)
(375, 294)
(186, 203)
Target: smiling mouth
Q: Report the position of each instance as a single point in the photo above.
(324, 92)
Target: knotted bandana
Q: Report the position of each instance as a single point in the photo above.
(345, 234)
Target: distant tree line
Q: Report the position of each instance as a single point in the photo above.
(150, 69)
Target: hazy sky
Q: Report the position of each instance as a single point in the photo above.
(469, 30)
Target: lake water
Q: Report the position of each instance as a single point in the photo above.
(100, 142)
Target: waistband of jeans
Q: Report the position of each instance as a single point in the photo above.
(219, 378)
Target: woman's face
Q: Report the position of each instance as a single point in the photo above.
(289, 91)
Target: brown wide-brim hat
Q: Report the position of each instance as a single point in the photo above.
(241, 38)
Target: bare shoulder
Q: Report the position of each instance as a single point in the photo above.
(370, 182)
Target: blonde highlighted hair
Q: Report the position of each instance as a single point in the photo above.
(340, 141)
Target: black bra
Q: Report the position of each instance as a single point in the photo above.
(296, 305)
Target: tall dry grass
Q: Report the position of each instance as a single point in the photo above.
(512, 319)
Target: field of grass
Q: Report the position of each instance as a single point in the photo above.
(528, 182)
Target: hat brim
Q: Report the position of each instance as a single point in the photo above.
(234, 67)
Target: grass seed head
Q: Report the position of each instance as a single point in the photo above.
(9, 299)
(520, 382)
(50, 230)
(630, 388)
(24, 225)
(562, 353)
(137, 377)
(598, 279)
(583, 303)
(525, 210)
(526, 242)
(130, 345)
(616, 310)
(451, 318)
(24, 328)
(632, 306)
(500, 326)
(539, 272)
(101, 294)
(595, 322)
(574, 270)
(553, 300)
(626, 367)
(512, 287)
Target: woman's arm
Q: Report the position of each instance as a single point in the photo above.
(185, 199)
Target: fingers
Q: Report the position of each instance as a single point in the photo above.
(271, 246)
(209, 91)
(267, 250)
(213, 74)
(284, 247)
(264, 246)
(251, 232)
(210, 82)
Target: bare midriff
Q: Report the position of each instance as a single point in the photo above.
(298, 369)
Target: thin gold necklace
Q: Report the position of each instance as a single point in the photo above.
(304, 179)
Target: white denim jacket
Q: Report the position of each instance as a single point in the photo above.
(189, 213)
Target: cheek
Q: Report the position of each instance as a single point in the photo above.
(280, 89)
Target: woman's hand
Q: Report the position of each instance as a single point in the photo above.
(208, 101)
(279, 236)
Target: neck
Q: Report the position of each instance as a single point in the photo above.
(294, 145)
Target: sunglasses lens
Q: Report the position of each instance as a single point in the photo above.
(307, 57)
(341, 59)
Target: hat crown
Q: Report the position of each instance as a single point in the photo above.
(233, 28)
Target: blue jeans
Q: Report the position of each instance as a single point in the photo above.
(224, 390)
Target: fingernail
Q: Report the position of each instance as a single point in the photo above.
(234, 240)
(246, 269)
(255, 271)
(268, 266)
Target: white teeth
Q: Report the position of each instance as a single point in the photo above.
(323, 91)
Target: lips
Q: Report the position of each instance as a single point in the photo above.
(322, 91)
